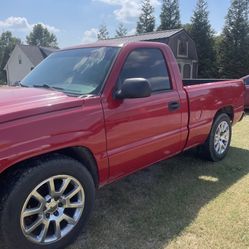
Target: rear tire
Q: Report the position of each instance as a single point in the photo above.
(218, 142)
(62, 213)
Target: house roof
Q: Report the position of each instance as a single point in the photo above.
(146, 37)
(47, 51)
(36, 54)
(119, 42)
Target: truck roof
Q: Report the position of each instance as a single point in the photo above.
(113, 43)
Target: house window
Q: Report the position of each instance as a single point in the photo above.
(19, 59)
(182, 48)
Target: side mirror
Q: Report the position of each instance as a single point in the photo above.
(134, 88)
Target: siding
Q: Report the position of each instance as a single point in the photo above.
(16, 71)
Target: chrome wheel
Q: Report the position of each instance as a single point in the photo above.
(52, 209)
(221, 137)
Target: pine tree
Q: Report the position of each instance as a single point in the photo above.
(234, 46)
(170, 15)
(121, 31)
(103, 33)
(146, 22)
(203, 36)
(40, 36)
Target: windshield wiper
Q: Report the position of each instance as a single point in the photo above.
(22, 85)
(54, 88)
(49, 87)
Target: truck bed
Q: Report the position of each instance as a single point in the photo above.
(205, 98)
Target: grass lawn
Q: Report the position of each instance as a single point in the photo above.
(180, 203)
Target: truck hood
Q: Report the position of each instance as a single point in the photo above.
(21, 102)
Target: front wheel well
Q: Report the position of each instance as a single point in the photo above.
(85, 156)
(81, 154)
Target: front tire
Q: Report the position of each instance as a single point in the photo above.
(47, 205)
(218, 142)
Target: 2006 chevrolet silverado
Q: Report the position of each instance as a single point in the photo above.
(90, 115)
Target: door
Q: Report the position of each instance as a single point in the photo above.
(142, 131)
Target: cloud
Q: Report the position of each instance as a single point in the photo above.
(16, 23)
(90, 35)
(127, 8)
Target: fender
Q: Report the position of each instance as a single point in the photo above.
(35, 136)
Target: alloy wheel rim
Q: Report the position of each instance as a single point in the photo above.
(52, 209)
(221, 138)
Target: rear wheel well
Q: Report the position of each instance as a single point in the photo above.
(227, 110)
(81, 154)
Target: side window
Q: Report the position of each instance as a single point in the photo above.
(182, 48)
(147, 63)
(187, 71)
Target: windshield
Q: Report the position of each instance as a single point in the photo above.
(77, 71)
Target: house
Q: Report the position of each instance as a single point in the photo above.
(181, 44)
(23, 59)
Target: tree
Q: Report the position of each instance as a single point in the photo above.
(187, 27)
(7, 44)
(40, 36)
(233, 54)
(121, 31)
(170, 15)
(146, 21)
(217, 43)
(103, 33)
(203, 35)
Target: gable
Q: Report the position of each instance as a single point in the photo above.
(181, 42)
(33, 53)
(14, 56)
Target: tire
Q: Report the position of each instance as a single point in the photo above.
(211, 150)
(63, 209)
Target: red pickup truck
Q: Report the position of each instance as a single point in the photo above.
(246, 81)
(90, 115)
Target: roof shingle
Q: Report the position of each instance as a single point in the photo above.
(36, 54)
(146, 37)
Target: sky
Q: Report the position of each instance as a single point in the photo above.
(77, 21)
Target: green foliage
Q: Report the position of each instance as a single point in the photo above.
(170, 15)
(146, 21)
(40, 36)
(187, 27)
(7, 44)
(217, 44)
(233, 54)
(103, 33)
(203, 35)
(121, 31)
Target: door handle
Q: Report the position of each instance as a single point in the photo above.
(174, 105)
